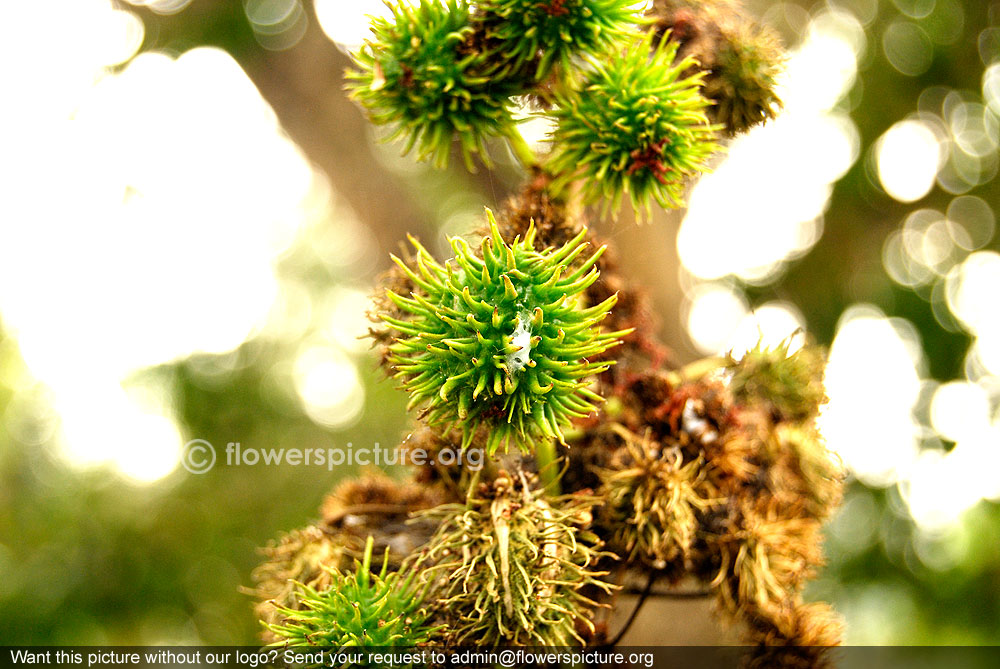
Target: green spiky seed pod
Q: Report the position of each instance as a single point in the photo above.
(359, 609)
(791, 383)
(637, 125)
(651, 501)
(541, 33)
(300, 556)
(742, 84)
(513, 567)
(421, 75)
(500, 340)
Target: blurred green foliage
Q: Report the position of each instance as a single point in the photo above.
(90, 558)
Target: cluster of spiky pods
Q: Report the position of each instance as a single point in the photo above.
(604, 465)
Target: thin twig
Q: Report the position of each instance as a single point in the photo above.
(448, 480)
(635, 611)
(667, 594)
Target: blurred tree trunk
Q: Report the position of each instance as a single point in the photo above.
(649, 256)
(305, 87)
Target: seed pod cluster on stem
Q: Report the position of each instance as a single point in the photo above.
(605, 460)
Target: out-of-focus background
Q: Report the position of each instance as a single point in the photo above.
(193, 215)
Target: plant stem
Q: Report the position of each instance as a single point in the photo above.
(522, 151)
(635, 612)
(473, 485)
(548, 465)
(696, 370)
